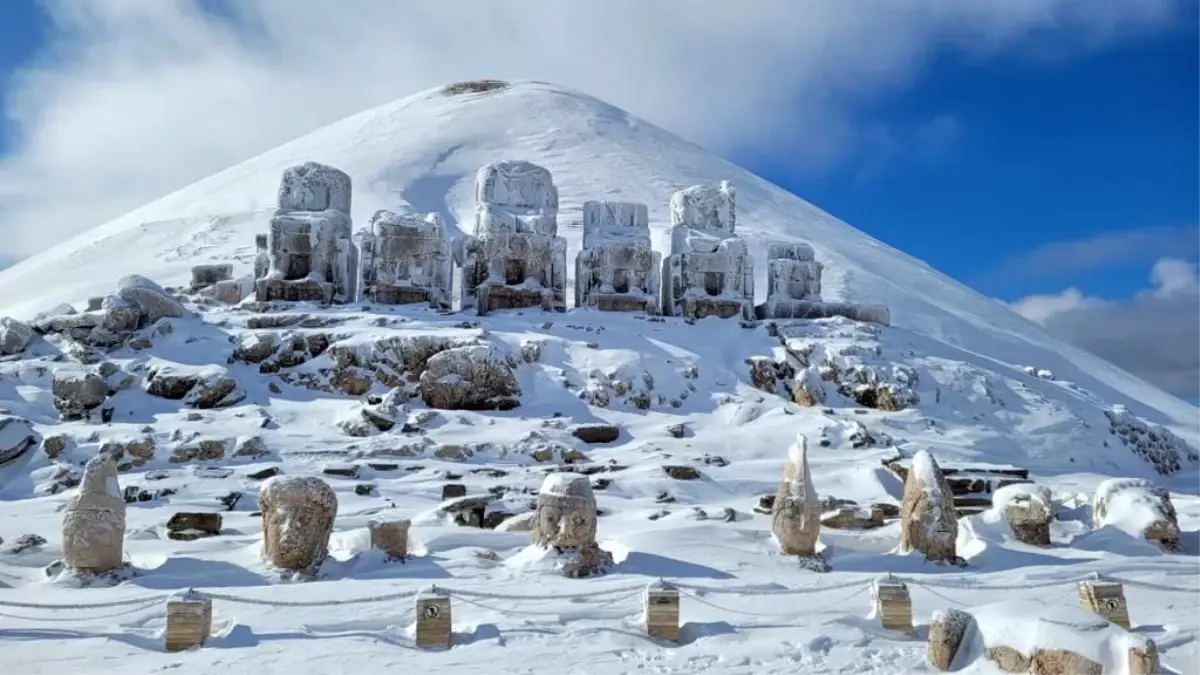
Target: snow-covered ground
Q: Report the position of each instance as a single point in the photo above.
(984, 385)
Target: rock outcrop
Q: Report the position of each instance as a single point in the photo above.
(15, 336)
(17, 437)
(928, 522)
(93, 528)
(297, 518)
(478, 377)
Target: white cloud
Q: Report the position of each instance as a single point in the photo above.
(1154, 335)
(135, 98)
(1104, 250)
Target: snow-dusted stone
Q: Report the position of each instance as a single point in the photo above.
(946, 633)
(1139, 508)
(1029, 511)
(94, 520)
(204, 387)
(152, 301)
(793, 275)
(406, 259)
(1165, 451)
(515, 258)
(928, 522)
(565, 520)
(262, 256)
(77, 392)
(618, 269)
(796, 515)
(390, 536)
(309, 245)
(297, 518)
(708, 270)
(17, 437)
(477, 377)
(15, 336)
(204, 276)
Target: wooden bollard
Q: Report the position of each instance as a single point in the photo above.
(662, 611)
(433, 620)
(1106, 598)
(1144, 660)
(893, 605)
(390, 536)
(189, 621)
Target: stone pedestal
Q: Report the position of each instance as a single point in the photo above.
(893, 605)
(434, 622)
(662, 612)
(189, 621)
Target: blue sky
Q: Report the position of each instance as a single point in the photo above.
(1044, 153)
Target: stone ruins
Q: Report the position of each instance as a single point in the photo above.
(514, 258)
(93, 527)
(312, 257)
(406, 259)
(618, 269)
(708, 270)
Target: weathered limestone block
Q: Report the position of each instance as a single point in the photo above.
(928, 522)
(204, 276)
(77, 392)
(189, 621)
(204, 387)
(565, 520)
(390, 536)
(946, 633)
(406, 259)
(297, 517)
(94, 521)
(476, 377)
(15, 336)
(1028, 510)
(309, 246)
(708, 270)
(1139, 508)
(17, 437)
(618, 269)
(796, 514)
(515, 258)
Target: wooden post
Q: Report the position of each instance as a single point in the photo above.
(893, 605)
(189, 621)
(662, 611)
(433, 620)
(1106, 598)
(390, 536)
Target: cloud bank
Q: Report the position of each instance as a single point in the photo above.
(133, 99)
(1154, 335)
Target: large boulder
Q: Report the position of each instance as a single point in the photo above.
(77, 392)
(565, 520)
(1139, 508)
(17, 437)
(153, 301)
(1028, 510)
(93, 533)
(205, 387)
(796, 514)
(15, 336)
(297, 519)
(477, 377)
(928, 522)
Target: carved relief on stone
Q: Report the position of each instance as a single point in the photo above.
(618, 269)
(708, 270)
(406, 259)
(310, 253)
(515, 258)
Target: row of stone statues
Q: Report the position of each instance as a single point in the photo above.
(515, 258)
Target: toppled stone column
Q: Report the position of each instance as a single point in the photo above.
(928, 522)
(297, 517)
(515, 258)
(406, 259)
(1139, 508)
(618, 269)
(708, 270)
(309, 246)
(565, 520)
(796, 514)
(94, 520)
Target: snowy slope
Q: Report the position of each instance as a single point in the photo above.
(988, 388)
(423, 151)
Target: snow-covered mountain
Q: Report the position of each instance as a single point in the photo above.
(985, 386)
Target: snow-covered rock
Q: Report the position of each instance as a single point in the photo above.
(198, 387)
(796, 515)
(204, 276)
(478, 377)
(77, 392)
(17, 437)
(1165, 451)
(93, 527)
(15, 336)
(297, 519)
(151, 300)
(928, 522)
(1138, 508)
(618, 270)
(842, 358)
(406, 259)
